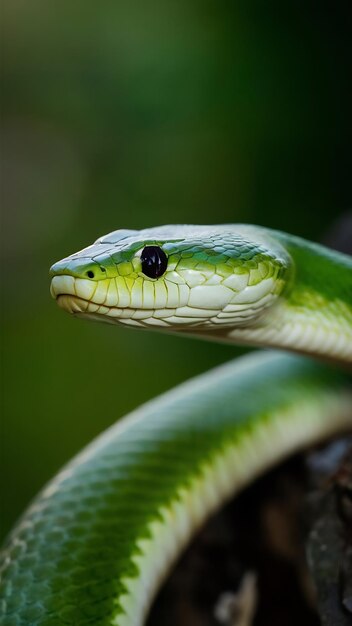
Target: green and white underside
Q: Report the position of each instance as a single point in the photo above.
(96, 544)
(225, 471)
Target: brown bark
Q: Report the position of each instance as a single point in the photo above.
(248, 565)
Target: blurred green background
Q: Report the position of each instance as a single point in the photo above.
(127, 114)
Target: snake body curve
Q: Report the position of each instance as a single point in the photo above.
(96, 543)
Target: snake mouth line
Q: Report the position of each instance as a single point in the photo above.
(143, 318)
(133, 317)
(171, 317)
(80, 306)
(76, 305)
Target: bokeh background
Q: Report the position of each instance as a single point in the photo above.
(127, 114)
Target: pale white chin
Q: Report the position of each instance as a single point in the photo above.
(231, 316)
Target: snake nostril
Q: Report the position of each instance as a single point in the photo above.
(90, 274)
(102, 269)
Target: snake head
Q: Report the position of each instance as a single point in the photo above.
(185, 278)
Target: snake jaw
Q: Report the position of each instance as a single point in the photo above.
(72, 304)
(224, 308)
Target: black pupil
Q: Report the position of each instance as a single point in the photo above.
(154, 261)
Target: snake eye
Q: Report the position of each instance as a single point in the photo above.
(154, 261)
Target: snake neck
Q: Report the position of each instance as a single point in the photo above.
(315, 316)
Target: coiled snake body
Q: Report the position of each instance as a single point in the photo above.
(96, 543)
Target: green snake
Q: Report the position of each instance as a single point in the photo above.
(97, 542)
